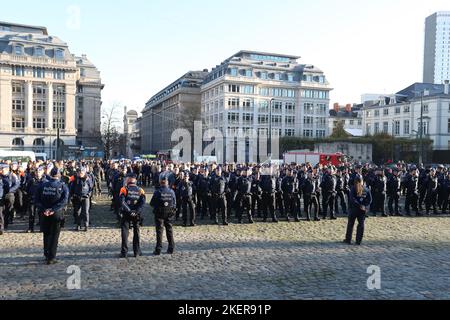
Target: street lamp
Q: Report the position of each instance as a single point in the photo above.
(270, 129)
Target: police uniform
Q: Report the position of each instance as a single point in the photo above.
(203, 195)
(32, 187)
(52, 195)
(328, 186)
(289, 186)
(411, 187)
(356, 213)
(393, 194)
(431, 192)
(219, 206)
(268, 185)
(80, 192)
(256, 196)
(186, 191)
(10, 186)
(310, 187)
(132, 201)
(164, 204)
(379, 195)
(244, 198)
(2, 204)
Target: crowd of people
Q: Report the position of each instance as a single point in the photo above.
(38, 191)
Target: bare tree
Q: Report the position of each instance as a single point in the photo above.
(110, 129)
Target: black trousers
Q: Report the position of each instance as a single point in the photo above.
(311, 201)
(51, 227)
(379, 201)
(81, 207)
(289, 204)
(245, 206)
(445, 202)
(32, 212)
(411, 202)
(164, 220)
(125, 225)
(328, 200)
(231, 199)
(203, 199)
(2, 219)
(356, 214)
(18, 202)
(279, 202)
(188, 203)
(9, 211)
(422, 193)
(430, 202)
(340, 197)
(219, 208)
(268, 204)
(393, 204)
(256, 205)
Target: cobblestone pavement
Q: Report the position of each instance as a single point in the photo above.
(303, 260)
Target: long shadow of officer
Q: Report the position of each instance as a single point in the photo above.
(164, 206)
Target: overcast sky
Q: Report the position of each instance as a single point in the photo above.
(140, 46)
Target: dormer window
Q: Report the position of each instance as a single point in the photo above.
(59, 54)
(39, 52)
(18, 50)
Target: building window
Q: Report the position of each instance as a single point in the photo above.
(39, 146)
(425, 108)
(377, 128)
(290, 107)
(59, 74)
(263, 119)
(249, 73)
(406, 127)
(233, 103)
(385, 127)
(234, 88)
(309, 108)
(352, 122)
(38, 72)
(18, 122)
(17, 87)
(377, 113)
(308, 133)
(368, 114)
(39, 90)
(59, 54)
(39, 52)
(249, 90)
(320, 133)
(59, 91)
(290, 121)
(386, 112)
(289, 132)
(396, 128)
(62, 123)
(397, 110)
(359, 122)
(233, 72)
(18, 50)
(18, 143)
(407, 109)
(18, 105)
(60, 107)
(425, 128)
(368, 129)
(39, 105)
(18, 71)
(38, 123)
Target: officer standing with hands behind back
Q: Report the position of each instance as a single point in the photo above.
(51, 198)
(164, 206)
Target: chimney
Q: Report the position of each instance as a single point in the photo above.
(348, 108)
(446, 85)
(336, 107)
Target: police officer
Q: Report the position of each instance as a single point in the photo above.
(359, 202)
(446, 193)
(218, 187)
(81, 187)
(256, 195)
(379, 193)
(117, 184)
(431, 192)
(268, 185)
(203, 192)
(309, 189)
(411, 189)
(164, 205)
(440, 174)
(186, 190)
(328, 187)
(37, 179)
(10, 186)
(244, 196)
(341, 186)
(2, 203)
(132, 201)
(51, 198)
(393, 193)
(289, 186)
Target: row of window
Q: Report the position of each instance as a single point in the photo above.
(235, 118)
(38, 123)
(59, 91)
(19, 50)
(396, 130)
(38, 105)
(315, 94)
(263, 75)
(39, 72)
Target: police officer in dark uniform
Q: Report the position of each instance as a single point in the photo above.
(289, 186)
(446, 193)
(393, 193)
(268, 185)
(2, 201)
(244, 196)
(341, 185)
(423, 175)
(279, 201)
(37, 179)
(431, 192)
(81, 187)
(256, 195)
(164, 205)
(440, 174)
(203, 192)
(118, 182)
(411, 187)
(218, 187)
(186, 191)
(379, 193)
(328, 187)
(132, 201)
(10, 186)
(51, 198)
(310, 187)
(359, 202)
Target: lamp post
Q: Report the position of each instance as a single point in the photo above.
(421, 157)
(270, 129)
(58, 114)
